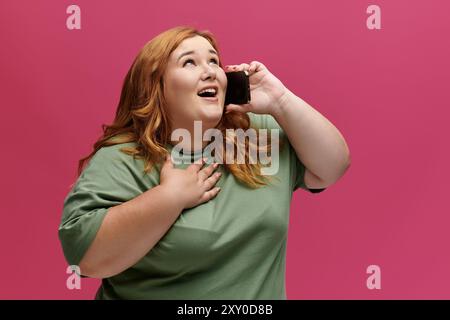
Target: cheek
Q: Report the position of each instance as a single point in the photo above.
(178, 91)
(223, 80)
(183, 82)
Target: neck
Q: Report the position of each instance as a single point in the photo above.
(190, 139)
(190, 146)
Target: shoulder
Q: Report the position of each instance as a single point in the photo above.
(115, 150)
(111, 159)
(112, 168)
(267, 121)
(114, 153)
(263, 121)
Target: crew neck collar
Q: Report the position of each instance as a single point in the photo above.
(187, 156)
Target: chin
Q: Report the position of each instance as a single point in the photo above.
(211, 116)
(211, 121)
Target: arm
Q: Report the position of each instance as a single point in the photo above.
(129, 231)
(316, 141)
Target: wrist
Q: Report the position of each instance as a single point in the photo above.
(172, 196)
(280, 105)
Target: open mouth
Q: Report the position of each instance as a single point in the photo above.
(211, 99)
(209, 94)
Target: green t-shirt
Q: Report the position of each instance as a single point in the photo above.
(231, 247)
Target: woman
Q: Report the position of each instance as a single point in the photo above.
(151, 229)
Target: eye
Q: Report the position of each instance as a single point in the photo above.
(190, 60)
(187, 61)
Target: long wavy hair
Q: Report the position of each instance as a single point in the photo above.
(141, 115)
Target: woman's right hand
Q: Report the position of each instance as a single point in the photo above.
(191, 186)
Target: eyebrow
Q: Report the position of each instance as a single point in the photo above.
(190, 52)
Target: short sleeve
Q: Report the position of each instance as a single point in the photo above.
(105, 182)
(297, 168)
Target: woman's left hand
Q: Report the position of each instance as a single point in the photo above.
(266, 90)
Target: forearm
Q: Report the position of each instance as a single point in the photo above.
(316, 141)
(129, 231)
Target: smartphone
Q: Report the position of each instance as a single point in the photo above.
(238, 88)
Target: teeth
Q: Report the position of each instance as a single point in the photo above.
(208, 90)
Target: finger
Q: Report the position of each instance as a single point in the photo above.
(256, 66)
(208, 195)
(206, 172)
(243, 66)
(168, 161)
(238, 67)
(197, 165)
(238, 107)
(212, 180)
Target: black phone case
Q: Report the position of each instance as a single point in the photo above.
(238, 88)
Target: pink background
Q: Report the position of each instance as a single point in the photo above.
(387, 91)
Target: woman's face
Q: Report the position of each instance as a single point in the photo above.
(186, 75)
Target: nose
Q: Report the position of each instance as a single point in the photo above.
(209, 72)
